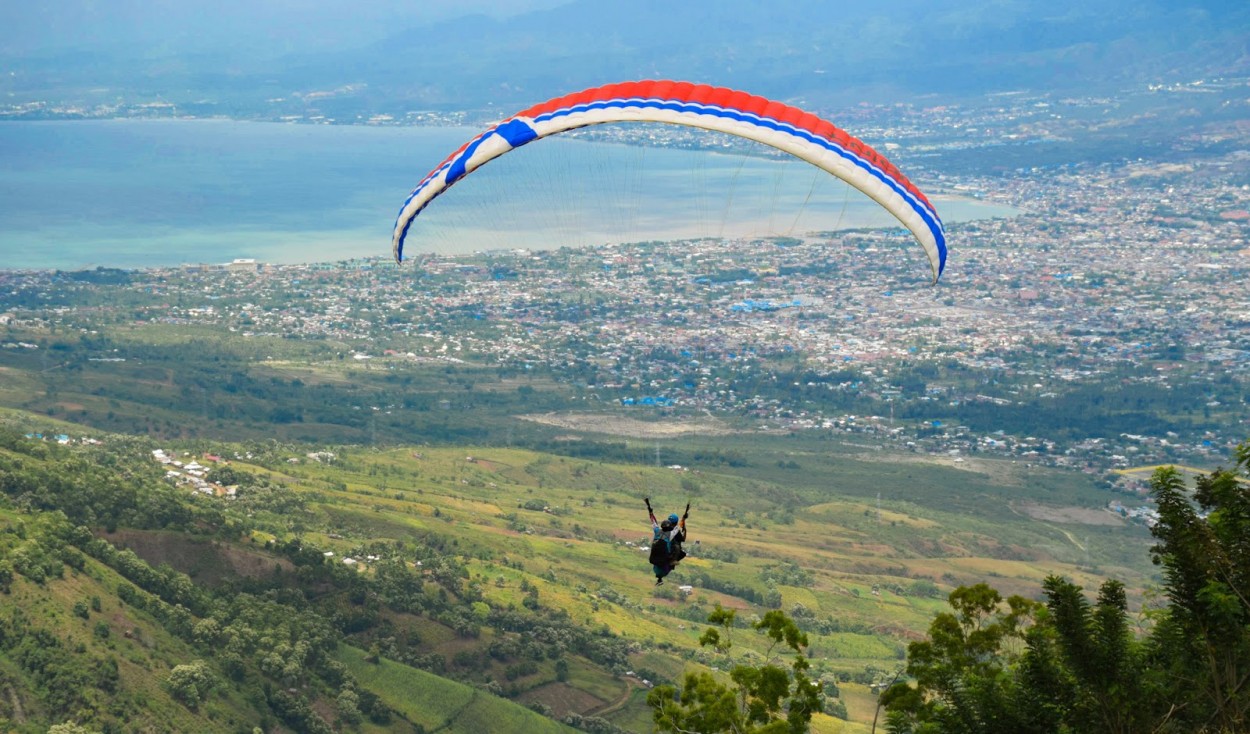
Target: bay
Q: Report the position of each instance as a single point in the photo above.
(145, 193)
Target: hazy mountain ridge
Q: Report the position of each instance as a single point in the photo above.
(892, 47)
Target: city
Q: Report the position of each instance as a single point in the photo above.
(1115, 278)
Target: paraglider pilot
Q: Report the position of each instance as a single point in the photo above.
(666, 551)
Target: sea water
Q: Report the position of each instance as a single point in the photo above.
(148, 193)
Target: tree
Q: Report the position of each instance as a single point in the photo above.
(1110, 687)
(347, 705)
(70, 727)
(962, 681)
(764, 699)
(1076, 667)
(1066, 667)
(206, 632)
(1203, 639)
(190, 683)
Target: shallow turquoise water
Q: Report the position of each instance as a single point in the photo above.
(132, 193)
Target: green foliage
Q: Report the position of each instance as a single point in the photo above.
(718, 636)
(87, 488)
(1072, 666)
(765, 699)
(1068, 666)
(191, 682)
(923, 588)
(228, 476)
(1204, 635)
(37, 561)
(64, 681)
(786, 574)
(962, 680)
(296, 712)
(702, 705)
(347, 706)
(1109, 686)
(70, 727)
(274, 626)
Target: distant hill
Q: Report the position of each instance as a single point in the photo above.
(820, 50)
(394, 59)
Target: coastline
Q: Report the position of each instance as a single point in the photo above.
(168, 192)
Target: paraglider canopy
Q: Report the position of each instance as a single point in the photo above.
(773, 123)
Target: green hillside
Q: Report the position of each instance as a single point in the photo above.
(439, 704)
(470, 576)
(70, 644)
(98, 637)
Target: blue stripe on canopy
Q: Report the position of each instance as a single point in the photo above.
(928, 215)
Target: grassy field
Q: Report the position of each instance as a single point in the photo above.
(861, 548)
(864, 576)
(441, 705)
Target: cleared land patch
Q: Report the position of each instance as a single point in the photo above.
(631, 427)
(1074, 515)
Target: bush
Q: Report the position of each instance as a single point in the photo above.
(190, 683)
